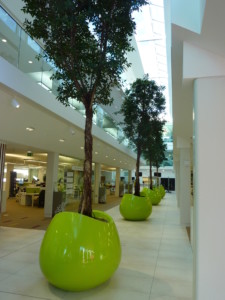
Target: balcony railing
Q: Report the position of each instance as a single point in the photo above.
(19, 49)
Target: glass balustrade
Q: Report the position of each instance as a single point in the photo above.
(19, 49)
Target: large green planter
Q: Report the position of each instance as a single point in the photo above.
(135, 208)
(79, 252)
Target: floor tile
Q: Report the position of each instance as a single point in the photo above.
(156, 261)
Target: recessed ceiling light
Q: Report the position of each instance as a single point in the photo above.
(61, 140)
(4, 40)
(15, 103)
(114, 159)
(30, 129)
(96, 152)
(30, 62)
(106, 156)
(72, 131)
(81, 147)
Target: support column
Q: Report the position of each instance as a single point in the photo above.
(97, 182)
(117, 191)
(7, 184)
(51, 181)
(185, 187)
(2, 165)
(209, 182)
(177, 182)
(129, 176)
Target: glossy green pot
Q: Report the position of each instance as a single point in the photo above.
(79, 252)
(162, 191)
(135, 208)
(154, 195)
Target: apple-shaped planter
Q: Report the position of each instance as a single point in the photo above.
(79, 252)
(135, 208)
(162, 191)
(153, 195)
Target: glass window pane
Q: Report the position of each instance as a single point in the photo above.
(28, 62)
(9, 39)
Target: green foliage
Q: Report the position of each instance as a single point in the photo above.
(87, 41)
(155, 149)
(143, 105)
(142, 110)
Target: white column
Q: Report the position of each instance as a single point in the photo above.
(7, 185)
(177, 182)
(117, 191)
(185, 187)
(51, 181)
(97, 182)
(209, 183)
(129, 176)
(2, 166)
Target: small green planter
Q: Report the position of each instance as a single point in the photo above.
(154, 195)
(79, 252)
(135, 208)
(162, 191)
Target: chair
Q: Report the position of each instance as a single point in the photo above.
(41, 199)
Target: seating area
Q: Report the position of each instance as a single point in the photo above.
(31, 196)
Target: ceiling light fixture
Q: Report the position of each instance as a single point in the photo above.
(4, 40)
(61, 140)
(81, 147)
(72, 131)
(30, 62)
(30, 129)
(106, 156)
(15, 103)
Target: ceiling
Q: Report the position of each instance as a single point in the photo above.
(49, 129)
(212, 39)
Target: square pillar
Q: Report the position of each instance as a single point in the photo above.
(185, 187)
(51, 181)
(209, 181)
(97, 182)
(2, 166)
(117, 190)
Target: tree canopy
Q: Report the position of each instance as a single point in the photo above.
(87, 40)
(142, 108)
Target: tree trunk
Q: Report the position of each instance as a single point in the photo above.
(157, 170)
(85, 206)
(150, 174)
(137, 182)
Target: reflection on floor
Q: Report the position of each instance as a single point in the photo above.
(21, 216)
(156, 261)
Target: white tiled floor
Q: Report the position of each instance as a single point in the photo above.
(156, 261)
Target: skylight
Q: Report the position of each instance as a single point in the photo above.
(151, 40)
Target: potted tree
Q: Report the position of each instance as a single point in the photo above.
(142, 108)
(87, 41)
(154, 153)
